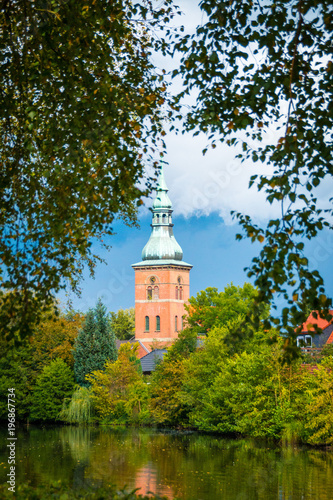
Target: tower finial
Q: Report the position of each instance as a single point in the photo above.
(161, 181)
(162, 199)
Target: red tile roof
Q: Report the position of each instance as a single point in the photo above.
(321, 323)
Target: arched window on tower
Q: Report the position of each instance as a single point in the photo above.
(158, 323)
(176, 323)
(176, 292)
(180, 294)
(183, 317)
(149, 293)
(164, 219)
(147, 324)
(156, 292)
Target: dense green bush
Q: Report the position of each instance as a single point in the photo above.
(16, 371)
(119, 392)
(247, 390)
(53, 385)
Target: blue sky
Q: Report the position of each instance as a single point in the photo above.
(208, 244)
(203, 189)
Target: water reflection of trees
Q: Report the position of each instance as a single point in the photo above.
(185, 465)
(43, 456)
(216, 468)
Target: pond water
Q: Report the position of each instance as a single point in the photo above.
(187, 466)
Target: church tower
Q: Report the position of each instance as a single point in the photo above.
(162, 278)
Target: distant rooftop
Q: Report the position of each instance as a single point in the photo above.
(148, 362)
(309, 324)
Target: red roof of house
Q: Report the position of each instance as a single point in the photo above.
(308, 326)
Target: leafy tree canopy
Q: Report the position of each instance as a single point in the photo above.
(20, 365)
(260, 68)
(119, 392)
(123, 323)
(211, 308)
(80, 115)
(54, 337)
(167, 404)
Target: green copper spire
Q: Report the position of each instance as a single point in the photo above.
(162, 243)
(162, 199)
(162, 248)
(161, 181)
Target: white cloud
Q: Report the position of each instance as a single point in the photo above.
(216, 182)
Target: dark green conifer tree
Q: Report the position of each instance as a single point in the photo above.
(95, 344)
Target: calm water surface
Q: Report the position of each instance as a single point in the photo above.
(187, 466)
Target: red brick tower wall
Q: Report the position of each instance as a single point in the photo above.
(167, 301)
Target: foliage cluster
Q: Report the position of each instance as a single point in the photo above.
(53, 384)
(78, 409)
(119, 393)
(123, 323)
(54, 337)
(213, 308)
(166, 404)
(21, 366)
(245, 388)
(41, 369)
(81, 109)
(16, 370)
(261, 73)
